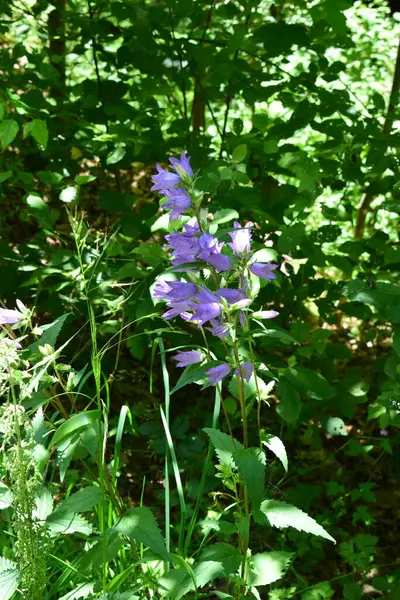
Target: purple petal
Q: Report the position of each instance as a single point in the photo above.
(245, 370)
(264, 270)
(188, 358)
(9, 317)
(218, 373)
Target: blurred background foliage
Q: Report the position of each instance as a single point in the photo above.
(289, 111)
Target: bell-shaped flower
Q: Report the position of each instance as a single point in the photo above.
(9, 317)
(245, 370)
(264, 270)
(164, 180)
(217, 374)
(191, 357)
(241, 238)
(182, 163)
(177, 202)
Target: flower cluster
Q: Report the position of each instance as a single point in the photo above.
(218, 306)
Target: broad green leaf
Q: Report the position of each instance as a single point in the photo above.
(65, 522)
(320, 591)
(275, 445)
(9, 578)
(6, 496)
(50, 333)
(267, 567)
(281, 514)
(225, 215)
(116, 155)
(38, 425)
(139, 523)
(314, 384)
(74, 425)
(40, 210)
(38, 130)
(82, 500)
(8, 131)
(239, 153)
(84, 590)
(289, 406)
(65, 453)
(335, 426)
(251, 465)
(82, 179)
(251, 388)
(44, 504)
(223, 444)
(291, 237)
(5, 175)
(69, 194)
(193, 375)
(49, 177)
(2, 110)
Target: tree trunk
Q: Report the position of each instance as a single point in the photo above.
(56, 29)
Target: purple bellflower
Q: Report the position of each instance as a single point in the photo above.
(191, 357)
(218, 328)
(211, 253)
(245, 370)
(264, 270)
(265, 314)
(217, 374)
(182, 163)
(231, 295)
(206, 307)
(241, 238)
(9, 317)
(164, 180)
(177, 202)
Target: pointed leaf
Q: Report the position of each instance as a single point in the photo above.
(223, 444)
(275, 445)
(65, 522)
(6, 496)
(44, 504)
(9, 578)
(281, 514)
(8, 131)
(139, 523)
(74, 425)
(267, 567)
(83, 500)
(251, 465)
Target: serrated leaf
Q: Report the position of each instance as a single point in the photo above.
(275, 445)
(74, 425)
(267, 567)
(193, 375)
(223, 444)
(50, 333)
(82, 500)
(251, 465)
(65, 522)
(8, 131)
(139, 523)
(65, 452)
(38, 426)
(38, 130)
(82, 591)
(6, 496)
(9, 578)
(281, 515)
(43, 504)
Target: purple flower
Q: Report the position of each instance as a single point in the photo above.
(243, 318)
(231, 295)
(216, 374)
(184, 246)
(10, 342)
(188, 358)
(9, 317)
(263, 270)
(265, 314)
(205, 312)
(176, 309)
(241, 238)
(161, 289)
(245, 370)
(178, 202)
(220, 262)
(219, 329)
(182, 163)
(180, 291)
(164, 180)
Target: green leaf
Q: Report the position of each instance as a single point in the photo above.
(6, 496)
(50, 333)
(65, 522)
(239, 153)
(291, 237)
(74, 425)
(84, 590)
(8, 131)
(5, 175)
(267, 567)
(70, 194)
(193, 375)
(82, 179)
(38, 130)
(44, 504)
(314, 384)
(251, 465)
(275, 445)
(116, 155)
(223, 444)
(2, 111)
(281, 514)
(9, 578)
(40, 210)
(83, 500)
(139, 523)
(225, 215)
(49, 177)
(335, 426)
(289, 407)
